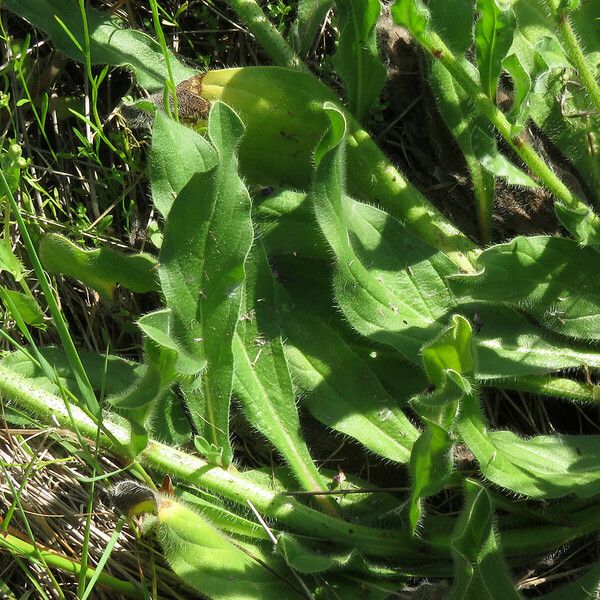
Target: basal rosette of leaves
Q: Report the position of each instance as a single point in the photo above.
(342, 293)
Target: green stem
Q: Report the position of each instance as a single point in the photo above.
(555, 387)
(428, 557)
(61, 325)
(227, 483)
(19, 547)
(267, 35)
(439, 51)
(573, 50)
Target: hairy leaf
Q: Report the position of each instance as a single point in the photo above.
(485, 149)
(311, 14)
(213, 564)
(177, 152)
(388, 283)
(554, 279)
(342, 392)
(262, 378)
(431, 464)
(207, 237)
(479, 570)
(357, 59)
(509, 344)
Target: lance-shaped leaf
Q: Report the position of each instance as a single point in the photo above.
(343, 393)
(479, 569)
(554, 279)
(561, 109)
(388, 283)
(510, 345)
(110, 43)
(431, 460)
(487, 153)
(262, 378)
(357, 58)
(493, 38)
(540, 467)
(208, 235)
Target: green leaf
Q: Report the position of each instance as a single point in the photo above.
(262, 378)
(554, 279)
(412, 14)
(543, 467)
(540, 467)
(111, 372)
(493, 37)
(212, 563)
(207, 237)
(522, 86)
(157, 379)
(582, 222)
(110, 43)
(479, 569)
(9, 262)
(286, 224)
(486, 151)
(311, 14)
(26, 306)
(177, 152)
(509, 345)
(102, 269)
(450, 350)
(453, 21)
(342, 392)
(305, 560)
(389, 287)
(556, 105)
(357, 58)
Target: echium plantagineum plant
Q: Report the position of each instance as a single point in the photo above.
(386, 319)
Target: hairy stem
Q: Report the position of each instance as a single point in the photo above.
(267, 35)
(433, 44)
(570, 45)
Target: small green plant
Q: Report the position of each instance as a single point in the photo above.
(300, 272)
